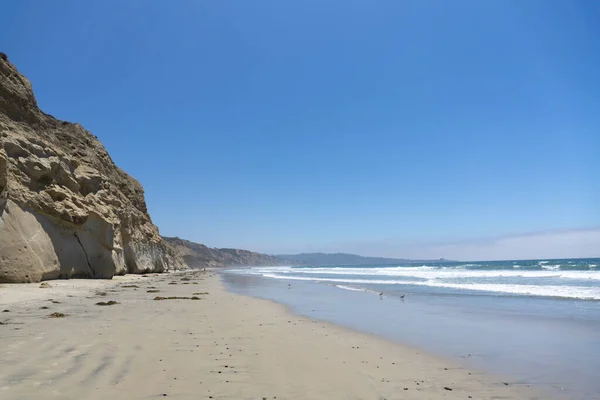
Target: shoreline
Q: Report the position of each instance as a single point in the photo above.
(220, 346)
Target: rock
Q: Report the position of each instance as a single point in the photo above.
(14, 149)
(65, 177)
(26, 250)
(66, 210)
(107, 303)
(3, 170)
(36, 169)
(88, 178)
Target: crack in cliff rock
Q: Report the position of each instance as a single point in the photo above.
(86, 255)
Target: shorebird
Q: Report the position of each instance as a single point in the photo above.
(401, 296)
(381, 295)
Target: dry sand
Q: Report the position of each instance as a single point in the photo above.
(222, 346)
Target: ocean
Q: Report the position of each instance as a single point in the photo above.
(569, 279)
(533, 322)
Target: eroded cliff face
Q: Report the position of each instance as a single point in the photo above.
(66, 210)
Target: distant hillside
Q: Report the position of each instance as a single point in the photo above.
(342, 259)
(200, 256)
(197, 255)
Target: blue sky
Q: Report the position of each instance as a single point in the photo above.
(376, 127)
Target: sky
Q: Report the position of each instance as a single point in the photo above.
(423, 129)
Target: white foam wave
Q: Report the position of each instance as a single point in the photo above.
(592, 265)
(427, 273)
(351, 288)
(573, 292)
(336, 280)
(551, 267)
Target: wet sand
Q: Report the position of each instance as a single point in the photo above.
(209, 344)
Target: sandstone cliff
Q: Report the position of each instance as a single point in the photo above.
(66, 210)
(200, 256)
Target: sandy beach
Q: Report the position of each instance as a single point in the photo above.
(209, 344)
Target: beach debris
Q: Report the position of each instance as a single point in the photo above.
(5, 310)
(152, 291)
(108, 303)
(44, 285)
(56, 315)
(177, 298)
(448, 388)
(130, 286)
(200, 293)
(100, 293)
(44, 308)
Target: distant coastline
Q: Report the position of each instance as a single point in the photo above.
(329, 259)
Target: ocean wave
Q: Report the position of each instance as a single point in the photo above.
(571, 292)
(351, 288)
(549, 271)
(336, 280)
(345, 270)
(355, 289)
(551, 267)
